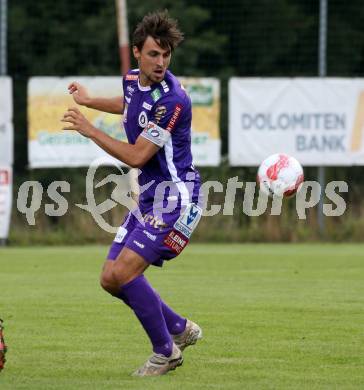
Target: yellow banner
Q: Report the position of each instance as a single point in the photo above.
(48, 100)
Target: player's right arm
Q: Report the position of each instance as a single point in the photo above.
(114, 105)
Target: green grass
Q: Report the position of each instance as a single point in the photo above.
(274, 317)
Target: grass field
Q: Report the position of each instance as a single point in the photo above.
(274, 317)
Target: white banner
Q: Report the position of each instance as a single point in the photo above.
(48, 99)
(5, 200)
(6, 121)
(318, 121)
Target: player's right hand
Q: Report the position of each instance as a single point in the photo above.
(79, 93)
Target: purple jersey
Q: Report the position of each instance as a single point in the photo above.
(162, 114)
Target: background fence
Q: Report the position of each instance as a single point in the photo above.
(223, 39)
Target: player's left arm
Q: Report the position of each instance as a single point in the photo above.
(133, 155)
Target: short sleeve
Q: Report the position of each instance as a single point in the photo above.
(156, 134)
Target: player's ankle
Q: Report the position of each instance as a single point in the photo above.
(165, 349)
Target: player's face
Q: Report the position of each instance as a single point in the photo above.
(153, 61)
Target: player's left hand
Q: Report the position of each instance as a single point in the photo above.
(78, 122)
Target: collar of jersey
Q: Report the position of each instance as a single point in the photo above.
(141, 88)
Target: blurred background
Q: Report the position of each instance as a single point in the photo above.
(223, 39)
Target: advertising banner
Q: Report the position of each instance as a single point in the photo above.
(6, 121)
(48, 99)
(5, 200)
(6, 154)
(318, 121)
(206, 141)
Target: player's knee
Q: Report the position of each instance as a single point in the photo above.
(119, 274)
(123, 272)
(107, 282)
(127, 267)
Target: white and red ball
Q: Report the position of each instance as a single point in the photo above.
(280, 175)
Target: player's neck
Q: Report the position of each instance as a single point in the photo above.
(145, 81)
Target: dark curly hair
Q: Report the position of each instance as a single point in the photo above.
(159, 26)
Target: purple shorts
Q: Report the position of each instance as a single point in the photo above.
(154, 238)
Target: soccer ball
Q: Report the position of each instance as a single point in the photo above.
(280, 175)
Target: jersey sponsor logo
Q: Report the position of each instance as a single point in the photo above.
(188, 221)
(175, 241)
(120, 235)
(143, 119)
(159, 113)
(131, 77)
(156, 95)
(149, 235)
(153, 130)
(154, 221)
(140, 245)
(176, 114)
(147, 106)
(155, 134)
(192, 216)
(165, 86)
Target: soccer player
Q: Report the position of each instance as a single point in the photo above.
(157, 121)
